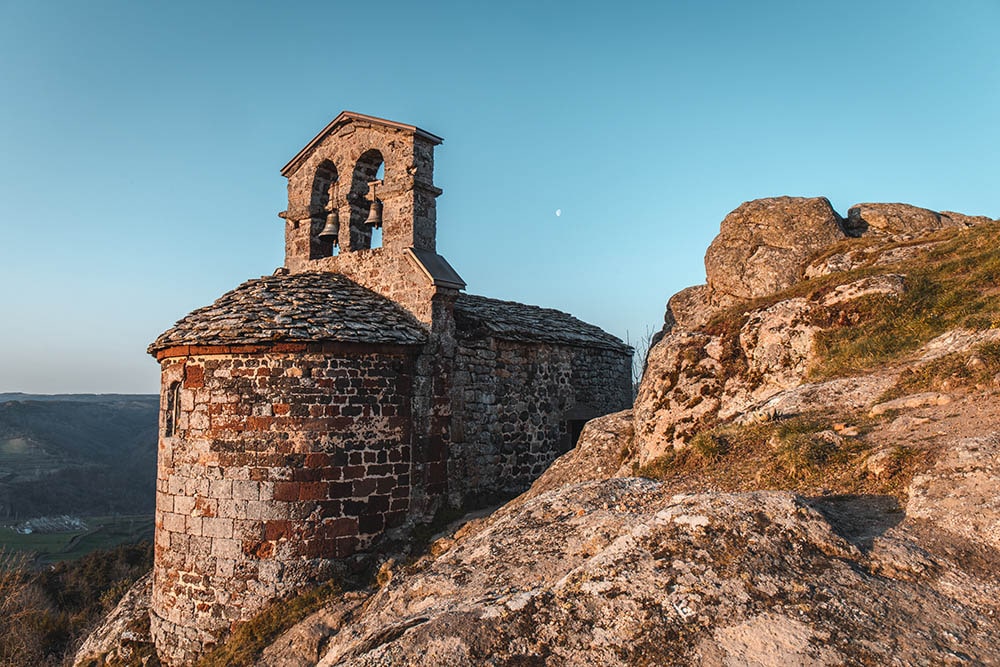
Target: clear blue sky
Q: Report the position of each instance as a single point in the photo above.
(140, 144)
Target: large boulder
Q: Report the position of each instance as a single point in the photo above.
(690, 309)
(962, 220)
(764, 245)
(891, 219)
(902, 220)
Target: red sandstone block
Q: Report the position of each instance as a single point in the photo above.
(286, 491)
(331, 473)
(371, 524)
(288, 347)
(338, 528)
(354, 472)
(399, 505)
(378, 504)
(278, 529)
(312, 548)
(194, 377)
(259, 423)
(330, 508)
(313, 490)
(280, 409)
(316, 460)
(306, 475)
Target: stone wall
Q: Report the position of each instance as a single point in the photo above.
(517, 406)
(281, 459)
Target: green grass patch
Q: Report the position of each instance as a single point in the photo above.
(800, 453)
(953, 285)
(101, 533)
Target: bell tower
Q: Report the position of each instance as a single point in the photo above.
(336, 199)
(334, 180)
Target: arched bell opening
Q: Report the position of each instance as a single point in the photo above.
(366, 208)
(324, 230)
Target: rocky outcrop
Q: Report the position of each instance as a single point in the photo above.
(689, 309)
(696, 378)
(961, 494)
(123, 637)
(892, 219)
(903, 220)
(764, 245)
(623, 572)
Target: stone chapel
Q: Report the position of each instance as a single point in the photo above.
(358, 388)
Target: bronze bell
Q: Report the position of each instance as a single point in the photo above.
(375, 214)
(331, 232)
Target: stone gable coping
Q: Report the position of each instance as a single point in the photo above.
(352, 116)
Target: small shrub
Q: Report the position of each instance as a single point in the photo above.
(711, 444)
(23, 611)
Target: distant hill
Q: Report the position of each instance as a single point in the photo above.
(81, 454)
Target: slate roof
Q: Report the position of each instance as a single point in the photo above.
(479, 315)
(301, 307)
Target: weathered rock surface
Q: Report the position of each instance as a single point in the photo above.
(689, 309)
(765, 244)
(681, 388)
(904, 220)
(622, 572)
(961, 495)
(694, 378)
(124, 634)
(893, 219)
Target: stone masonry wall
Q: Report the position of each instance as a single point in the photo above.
(282, 459)
(515, 406)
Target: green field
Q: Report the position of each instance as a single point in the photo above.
(101, 533)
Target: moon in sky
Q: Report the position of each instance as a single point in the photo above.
(558, 212)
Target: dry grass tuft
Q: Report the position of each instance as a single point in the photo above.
(800, 453)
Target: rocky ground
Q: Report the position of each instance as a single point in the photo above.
(810, 476)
